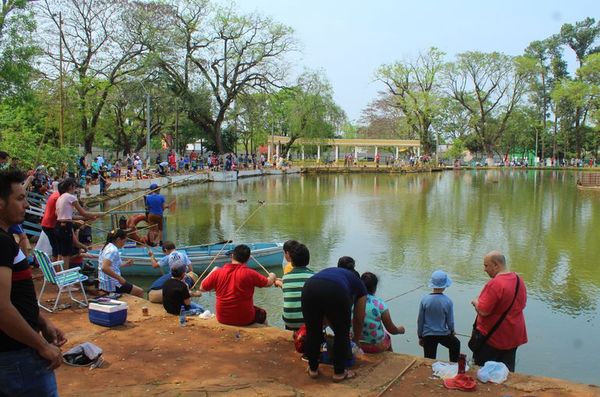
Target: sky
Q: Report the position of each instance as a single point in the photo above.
(349, 40)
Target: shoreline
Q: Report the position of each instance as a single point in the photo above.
(122, 188)
(153, 355)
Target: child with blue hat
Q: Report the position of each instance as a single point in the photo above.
(435, 324)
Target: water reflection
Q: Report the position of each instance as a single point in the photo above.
(405, 226)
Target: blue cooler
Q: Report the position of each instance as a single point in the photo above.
(108, 313)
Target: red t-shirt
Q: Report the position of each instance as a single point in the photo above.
(495, 298)
(234, 284)
(49, 219)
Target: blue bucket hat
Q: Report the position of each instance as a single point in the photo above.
(440, 279)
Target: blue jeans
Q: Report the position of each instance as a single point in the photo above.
(194, 310)
(25, 373)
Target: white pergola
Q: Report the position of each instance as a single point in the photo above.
(400, 144)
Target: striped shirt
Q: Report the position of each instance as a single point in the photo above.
(292, 292)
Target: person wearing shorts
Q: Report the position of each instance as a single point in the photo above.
(64, 219)
(110, 264)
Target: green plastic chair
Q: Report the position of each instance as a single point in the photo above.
(63, 279)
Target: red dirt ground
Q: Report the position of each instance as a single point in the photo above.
(153, 356)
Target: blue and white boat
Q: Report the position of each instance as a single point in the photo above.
(265, 254)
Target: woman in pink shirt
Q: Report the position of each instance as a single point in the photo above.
(64, 219)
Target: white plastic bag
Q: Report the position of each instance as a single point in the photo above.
(446, 370)
(493, 371)
(43, 244)
(206, 315)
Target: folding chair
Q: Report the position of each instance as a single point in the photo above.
(63, 279)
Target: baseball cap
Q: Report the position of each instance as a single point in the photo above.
(153, 186)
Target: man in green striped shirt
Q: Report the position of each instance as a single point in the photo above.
(292, 287)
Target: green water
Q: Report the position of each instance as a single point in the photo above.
(402, 227)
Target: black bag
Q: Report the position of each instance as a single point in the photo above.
(478, 339)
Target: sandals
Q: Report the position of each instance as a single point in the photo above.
(313, 374)
(348, 374)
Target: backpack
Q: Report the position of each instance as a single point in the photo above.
(300, 338)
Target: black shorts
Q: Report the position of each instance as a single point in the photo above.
(260, 315)
(124, 289)
(64, 237)
(51, 234)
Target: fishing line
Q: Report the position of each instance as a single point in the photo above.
(260, 205)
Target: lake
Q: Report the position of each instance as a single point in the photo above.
(403, 227)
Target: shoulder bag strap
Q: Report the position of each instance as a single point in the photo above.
(503, 316)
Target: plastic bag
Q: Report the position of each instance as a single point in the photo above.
(206, 315)
(83, 355)
(493, 371)
(43, 244)
(446, 370)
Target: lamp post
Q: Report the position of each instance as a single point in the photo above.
(148, 122)
(61, 120)
(148, 126)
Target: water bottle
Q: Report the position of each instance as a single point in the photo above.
(462, 362)
(182, 316)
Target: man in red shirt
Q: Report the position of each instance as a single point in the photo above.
(234, 284)
(493, 301)
(49, 220)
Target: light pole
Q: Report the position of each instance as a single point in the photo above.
(148, 122)
(148, 126)
(61, 120)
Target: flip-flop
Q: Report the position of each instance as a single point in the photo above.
(313, 374)
(348, 374)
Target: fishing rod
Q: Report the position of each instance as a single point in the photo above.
(152, 191)
(414, 289)
(404, 293)
(127, 238)
(260, 264)
(260, 205)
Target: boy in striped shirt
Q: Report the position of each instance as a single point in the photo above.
(292, 286)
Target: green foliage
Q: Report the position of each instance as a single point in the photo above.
(17, 48)
(416, 87)
(457, 150)
(22, 135)
(581, 37)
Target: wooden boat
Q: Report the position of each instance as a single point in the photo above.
(266, 254)
(589, 181)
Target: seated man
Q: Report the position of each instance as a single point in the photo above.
(176, 292)
(234, 285)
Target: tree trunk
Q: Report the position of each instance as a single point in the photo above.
(554, 137)
(216, 133)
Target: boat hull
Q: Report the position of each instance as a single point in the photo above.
(201, 256)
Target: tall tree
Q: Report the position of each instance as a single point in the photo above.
(581, 37)
(312, 112)
(17, 48)
(383, 119)
(98, 52)
(415, 84)
(224, 53)
(488, 86)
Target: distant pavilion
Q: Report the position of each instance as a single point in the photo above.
(275, 141)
